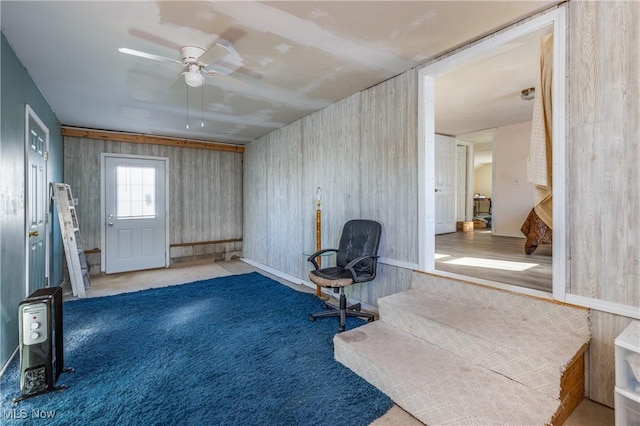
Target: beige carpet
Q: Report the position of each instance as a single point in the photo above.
(456, 353)
(523, 338)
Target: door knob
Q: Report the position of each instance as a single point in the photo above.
(110, 224)
(34, 233)
(438, 190)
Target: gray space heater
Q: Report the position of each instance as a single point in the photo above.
(41, 342)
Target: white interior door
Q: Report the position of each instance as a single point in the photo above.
(135, 213)
(37, 140)
(445, 179)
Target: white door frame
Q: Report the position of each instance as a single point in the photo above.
(31, 114)
(426, 149)
(103, 226)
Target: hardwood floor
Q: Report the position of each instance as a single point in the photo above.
(482, 255)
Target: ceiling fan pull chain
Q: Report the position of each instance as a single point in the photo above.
(202, 106)
(187, 105)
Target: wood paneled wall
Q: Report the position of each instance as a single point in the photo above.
(205, 188)
(284, 227)
(331, 150)
(389, 163)
(256, 173)
(362, 153)
(603, 152)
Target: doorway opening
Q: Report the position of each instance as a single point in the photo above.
(485, 80)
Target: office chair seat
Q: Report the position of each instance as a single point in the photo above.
(331, 277)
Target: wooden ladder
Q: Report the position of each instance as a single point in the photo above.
(76, 259)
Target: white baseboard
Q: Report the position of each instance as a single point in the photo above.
(4, 367)
(604, 306)
(296, 280)
(277, 273)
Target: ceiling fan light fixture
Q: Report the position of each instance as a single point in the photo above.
(528, 94)
(193, 78)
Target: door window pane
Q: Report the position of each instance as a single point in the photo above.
(135, 192)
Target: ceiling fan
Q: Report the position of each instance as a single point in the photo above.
(194, 61)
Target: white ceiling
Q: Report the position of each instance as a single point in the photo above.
(485, 92)
(474, 99)
(298, 57)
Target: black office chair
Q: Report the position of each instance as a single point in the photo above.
(356, 262)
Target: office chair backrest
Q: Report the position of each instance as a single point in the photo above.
(359, 238)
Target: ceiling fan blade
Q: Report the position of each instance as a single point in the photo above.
(143, 35)
(231, 80)
(216, 52)
(148, 56)
(178, 79)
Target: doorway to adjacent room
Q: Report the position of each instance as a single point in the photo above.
(438, 120)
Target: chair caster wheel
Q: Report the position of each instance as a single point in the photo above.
(325, 306)
(341, 329)
(311, 318)
(370, 319)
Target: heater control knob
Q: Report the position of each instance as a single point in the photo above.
(34, 322)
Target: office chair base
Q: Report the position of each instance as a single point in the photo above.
(342, 312)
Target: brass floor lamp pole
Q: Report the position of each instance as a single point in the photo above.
(318, 234)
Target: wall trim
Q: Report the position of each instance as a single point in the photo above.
(197, 243)
(78, 132)
(278, 273)
(202, 243)
(604, 306)
(495, 284)
(6, 365)
(398, 263)
(296, 280)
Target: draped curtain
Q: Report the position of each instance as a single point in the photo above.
(539, 163)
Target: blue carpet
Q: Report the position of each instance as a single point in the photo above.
(237, 350)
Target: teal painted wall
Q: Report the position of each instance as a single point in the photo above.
(17, 89)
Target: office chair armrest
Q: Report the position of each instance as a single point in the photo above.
(354, 262)
(312, 258)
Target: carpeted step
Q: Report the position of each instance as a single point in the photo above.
(436, 386)
(526, 339)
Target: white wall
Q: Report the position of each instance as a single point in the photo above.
(513, 196)
(483, 180)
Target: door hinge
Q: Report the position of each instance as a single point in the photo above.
(46, 156)
(46, 281)
(46, 218)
